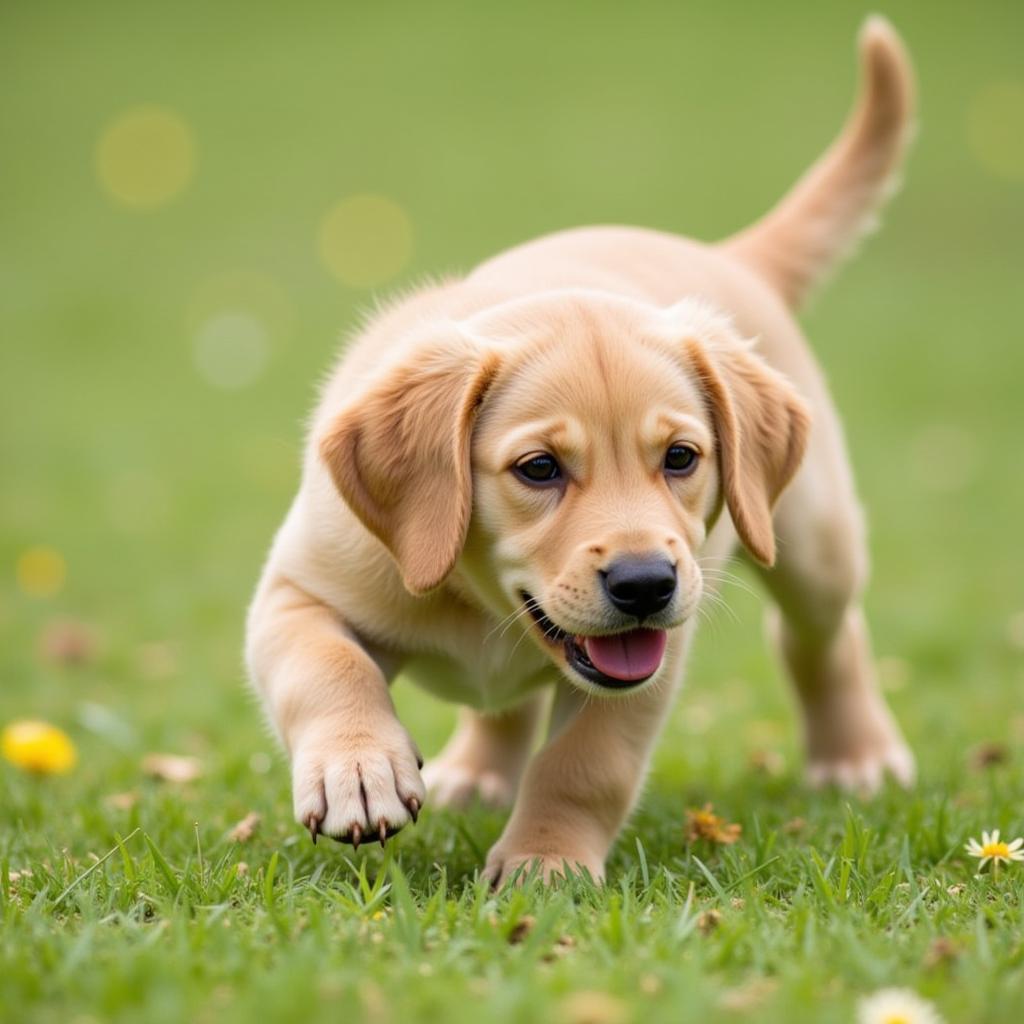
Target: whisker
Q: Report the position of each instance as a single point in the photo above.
(723, 559)
(713, 624)
(506, 623)
(722, 577)
(717, 601)
(515, 646)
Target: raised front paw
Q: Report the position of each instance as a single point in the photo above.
(507, 864)
(350, 786)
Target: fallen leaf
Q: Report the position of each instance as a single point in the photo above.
(172, 767)
(986, 755)
(705, 824)
(563, 945)
(650, 984)
(768, 762)
(749, 996)
(246, 828)
(122, 801)
(593, 1008)
(708, 921)
(67, 642)
(942, 951)
(521, 929)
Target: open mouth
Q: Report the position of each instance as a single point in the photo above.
(618, 662)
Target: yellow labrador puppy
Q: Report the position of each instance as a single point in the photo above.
(525, 473)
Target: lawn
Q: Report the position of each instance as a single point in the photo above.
(159, 354)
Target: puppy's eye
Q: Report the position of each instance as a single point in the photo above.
(539, 468)
(681, 460)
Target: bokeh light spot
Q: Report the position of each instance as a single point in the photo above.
(146, 156)
(995, 129)
(231, 349)
(235, 321)
(41, 571)
(365, 240)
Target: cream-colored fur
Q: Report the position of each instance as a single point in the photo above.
(412, 536)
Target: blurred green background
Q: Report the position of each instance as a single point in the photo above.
(158, 360)
(182, 244)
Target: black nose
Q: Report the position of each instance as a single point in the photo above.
(640, 586)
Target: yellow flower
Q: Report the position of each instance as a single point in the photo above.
(896, 1006)
(992, 848)
(38, 747)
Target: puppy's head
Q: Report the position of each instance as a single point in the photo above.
(570, 453)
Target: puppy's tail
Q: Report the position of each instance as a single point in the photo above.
(817, 224)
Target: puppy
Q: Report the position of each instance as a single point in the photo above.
(530, 474)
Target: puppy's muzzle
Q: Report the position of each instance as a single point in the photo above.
(641, 587)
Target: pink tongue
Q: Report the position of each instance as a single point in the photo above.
(627, 656)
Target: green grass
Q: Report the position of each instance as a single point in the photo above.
(161, 493)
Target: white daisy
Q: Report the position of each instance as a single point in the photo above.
(896, 1006)
(992, 848)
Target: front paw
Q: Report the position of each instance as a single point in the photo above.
(350, 785)
(509, 864)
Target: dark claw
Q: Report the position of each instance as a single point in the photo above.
(357, 835)
(382, 831)
(414, 808)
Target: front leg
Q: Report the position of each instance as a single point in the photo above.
(355, 770)
(579, 789)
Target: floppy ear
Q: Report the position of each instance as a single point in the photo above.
(762, 427)
(400, 456)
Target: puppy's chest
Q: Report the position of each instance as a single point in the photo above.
(474, 660)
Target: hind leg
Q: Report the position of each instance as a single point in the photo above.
(851, 736)
(485, 756)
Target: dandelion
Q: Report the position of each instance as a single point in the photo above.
(705, 824)
(896, 1006)
(992, 848)
(38, 747)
